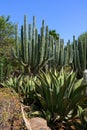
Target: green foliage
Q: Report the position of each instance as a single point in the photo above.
(82, 37)
(6, 30)
(24, 86)
(82, 124)
(27, 90)
(37, 51)
(2, 73)
(4, 68)
(54, 34)
(59, 95)
(14, 83)
(6, 35)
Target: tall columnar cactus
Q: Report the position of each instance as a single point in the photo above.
(71, 54)
(50, 51)
(25, 40)
(61, 52)
(22, 44)
(42, 44)
(16, 40)
(84, 54)
(33, 51)
(47, 42)
(75, 50)
(33, 40)
(57, 51)
(30, 43)
(68, 54)
(79, 58)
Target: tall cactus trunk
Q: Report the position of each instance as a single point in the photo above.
(25, 40)
(16, 40)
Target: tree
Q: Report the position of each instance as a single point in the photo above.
(83, 37)
(54, 34)
(6, 34)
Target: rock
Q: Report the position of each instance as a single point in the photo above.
(35, 123)
(38, 123)
(10, 112)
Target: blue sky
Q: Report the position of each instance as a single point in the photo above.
(67, 17)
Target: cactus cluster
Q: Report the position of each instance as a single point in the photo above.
(80, 56)
(33, 49)
(36, 51)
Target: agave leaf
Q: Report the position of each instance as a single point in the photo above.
(42, 101)
(47, 114)
(77, 84)
(80, 110)
(45, 79)
(36, 113)
(78, 91)
(75, 102)
(70, 84)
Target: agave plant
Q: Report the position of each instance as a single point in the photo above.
(24, 86)
(27, 90)
(13, 82)
(82, 124)
(59, 95)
